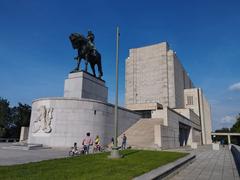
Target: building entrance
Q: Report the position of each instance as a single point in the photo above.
(184, 131)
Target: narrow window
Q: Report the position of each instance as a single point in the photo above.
(189, 100)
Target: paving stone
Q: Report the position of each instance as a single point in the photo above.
(211, 165)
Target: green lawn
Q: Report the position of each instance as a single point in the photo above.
(95, 166)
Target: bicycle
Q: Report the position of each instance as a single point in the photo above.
(98, 148)
(76, 152)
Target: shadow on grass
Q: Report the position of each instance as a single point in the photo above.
(129, 153)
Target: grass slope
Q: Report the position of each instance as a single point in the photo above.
(96, 166)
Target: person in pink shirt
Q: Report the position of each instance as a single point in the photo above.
(87, 142)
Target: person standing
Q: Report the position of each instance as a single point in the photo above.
(222, 142)
(124, 141)
(112, 140)
(87, 142)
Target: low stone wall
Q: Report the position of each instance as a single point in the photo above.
(59, 122)
(236, 154)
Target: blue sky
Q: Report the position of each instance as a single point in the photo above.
(36, 55)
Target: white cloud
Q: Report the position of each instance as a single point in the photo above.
(235, 87)
(222, 114)
(228, 119)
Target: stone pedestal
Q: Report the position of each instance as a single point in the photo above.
(215, 146)
(24, 134)
(194, 145)
(83, 85)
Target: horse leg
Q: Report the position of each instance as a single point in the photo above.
(99, 64)
(78, 64)
(78, 58)
(93, 69)
(86, 66)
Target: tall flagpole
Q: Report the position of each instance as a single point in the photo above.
(115, 152)
(116, 97)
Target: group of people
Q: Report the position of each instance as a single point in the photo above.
(87, 142)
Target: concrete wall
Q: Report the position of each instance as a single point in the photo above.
(169, 130)
(202, 108)
(190, 114)
(146, 75)
(196, 136)
(206, 118)
(182, 81)
(73, 118)
(169, 137)
(155, 74)
(171, 79)
(196, 102)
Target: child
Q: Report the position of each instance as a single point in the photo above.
(75, 149)
(97, 143)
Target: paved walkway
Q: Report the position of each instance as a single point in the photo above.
(210, 165)
(16, 156)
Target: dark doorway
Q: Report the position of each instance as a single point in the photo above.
(184, 131)
(145, 113)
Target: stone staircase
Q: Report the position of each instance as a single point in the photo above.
(141, 134)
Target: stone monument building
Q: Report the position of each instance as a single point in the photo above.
(175, 112)
(163, 107)
(61, 121)
(84, 108)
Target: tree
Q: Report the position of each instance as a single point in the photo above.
(12, 119)
(236, 127)
(220, 138)
(5, 114)
(20, 116)
(223, 130)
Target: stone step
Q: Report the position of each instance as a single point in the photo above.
(141, 134)
(25, 146)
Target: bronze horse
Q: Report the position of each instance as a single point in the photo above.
(80, 43)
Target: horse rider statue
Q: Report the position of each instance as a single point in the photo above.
(86, 50)
(90, 38)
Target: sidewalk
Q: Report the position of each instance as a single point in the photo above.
(211, 165)
(16, 156)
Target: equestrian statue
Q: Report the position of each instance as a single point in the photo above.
(86, 50)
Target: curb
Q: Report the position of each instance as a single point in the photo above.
(167, 170)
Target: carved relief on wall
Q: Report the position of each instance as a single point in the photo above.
(43, 120)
